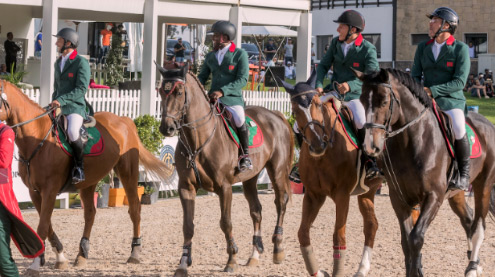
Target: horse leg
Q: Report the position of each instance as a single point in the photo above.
(129, 179)
(370, 226)
(460, 207)
(225, 195)
(187, 194)
(429, 209)
(481, 205)
(280, 181)
(406, 220)
(251, 193)
(311, 206)
(339, 243)
(87, 197)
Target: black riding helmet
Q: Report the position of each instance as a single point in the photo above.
(225, 28)
(68, 34)
(351, 18)
(447, 15)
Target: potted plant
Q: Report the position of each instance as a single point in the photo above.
(115, 195)
(103, 190)
(150, 195)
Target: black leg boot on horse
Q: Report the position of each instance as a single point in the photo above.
(78, 154)
(462, 155)
(244, 160)
(372, 170)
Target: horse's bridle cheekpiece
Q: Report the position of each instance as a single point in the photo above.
(312, 122)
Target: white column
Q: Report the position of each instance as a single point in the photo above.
(304, 47)
(148, 81)
(236, 19)
(49, 50)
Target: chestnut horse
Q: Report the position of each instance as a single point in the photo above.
(403, 130)
(44, 168)
(328, 167)
(206, 158)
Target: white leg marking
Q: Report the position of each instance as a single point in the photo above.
(60, 258)
(478, 237)
(365, 265)
(36, 264)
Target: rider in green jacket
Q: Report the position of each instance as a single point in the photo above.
(445, 64)
(229, 67)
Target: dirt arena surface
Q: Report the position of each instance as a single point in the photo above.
(444, 252)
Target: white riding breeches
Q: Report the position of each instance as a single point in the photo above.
(238, 114)
(357, 112)
(458, 122)
(74, 123)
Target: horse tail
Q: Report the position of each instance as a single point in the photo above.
(291, 150)
(152, 164)
(492, 201)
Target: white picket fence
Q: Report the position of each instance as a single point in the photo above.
(126, 103)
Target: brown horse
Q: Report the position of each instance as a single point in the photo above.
(327, 165)
(44, 168)
(206, 158)
(403, 131)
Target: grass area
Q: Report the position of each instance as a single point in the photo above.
(486, 106)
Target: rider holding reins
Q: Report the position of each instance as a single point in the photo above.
(350, 50)
(445, 64)
(229, 67)
(72, 74)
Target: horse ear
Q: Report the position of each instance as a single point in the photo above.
(312, 79)
(359, 74)
(184, 70)
(286, 85)
(161, 69)
(383, 75)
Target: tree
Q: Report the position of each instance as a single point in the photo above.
(114, 61)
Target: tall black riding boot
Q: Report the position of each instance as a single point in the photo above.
(78, 154)
(244, 160)
(372, 169)
(462, 155)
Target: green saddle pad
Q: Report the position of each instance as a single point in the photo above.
(255, 135)
(350, 130)
(93, 147)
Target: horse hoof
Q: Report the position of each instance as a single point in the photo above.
(61, 265)
(253, 262)
(80, 262)
(230, 268)
(180, 272)
(133, 260)
(31, 273)
(279, 257)
(359, 274)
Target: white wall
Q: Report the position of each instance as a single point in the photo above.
(379, 20)
(18, 20)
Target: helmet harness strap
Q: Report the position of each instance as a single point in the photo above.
(442, 30)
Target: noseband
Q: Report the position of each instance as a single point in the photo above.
(388, 130)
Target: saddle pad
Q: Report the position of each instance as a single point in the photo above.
(347, 126)
(255, 134)
(474, 143)
(94, 146)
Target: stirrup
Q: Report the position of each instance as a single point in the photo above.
(244, 163)
(372, 170)
(455, 185)
(77, 175)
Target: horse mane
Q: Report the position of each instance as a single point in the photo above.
(200, 85)
(406, 80)
(26, 98)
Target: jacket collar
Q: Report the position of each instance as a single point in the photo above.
(232, 47)
(73, 54)
(450, 41)
(359, 40)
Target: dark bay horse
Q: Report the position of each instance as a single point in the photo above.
(44, 168)
(402, 129)
(328, 167)
(206, 158)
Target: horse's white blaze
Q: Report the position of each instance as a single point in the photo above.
(307, 113)
(36, 264)
(478, 237)
(183, 260)
(365, 265)
(59, 256)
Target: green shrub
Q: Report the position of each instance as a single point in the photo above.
(149, 133)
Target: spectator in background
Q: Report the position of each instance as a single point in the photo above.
(327, 46)
(408, 70)
(105, 42)
(477, 88)
(472, 51)
(288, 49)
(488, 74)
(469, 82)
(313, 54)
(179, 50)
(38, 44)
(290, 71)
(11, 50)
(3, 70)
(270, 50)
(481, 79)
(489, 87)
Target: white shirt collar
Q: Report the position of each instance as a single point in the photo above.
(64, 59)
(346, 47)
(221, 53)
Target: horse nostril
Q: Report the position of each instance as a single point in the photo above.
(323, 145)
(170, 129)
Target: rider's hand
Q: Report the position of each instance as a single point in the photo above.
(216, 94)
(319, 90)
(428, 91)
(54, 104)
(343, 88)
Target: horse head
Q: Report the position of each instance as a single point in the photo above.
(382, 108)
(174, 99)
(308, 110)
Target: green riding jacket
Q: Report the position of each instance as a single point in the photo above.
(447, 76)
(361, 56)
(71, 84)
(229, 77)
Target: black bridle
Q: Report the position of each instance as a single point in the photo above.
(386, 127)
(312, 122)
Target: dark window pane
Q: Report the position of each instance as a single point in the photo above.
(321, 42)
(479, 41)
(418, 38)
(375, 39)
